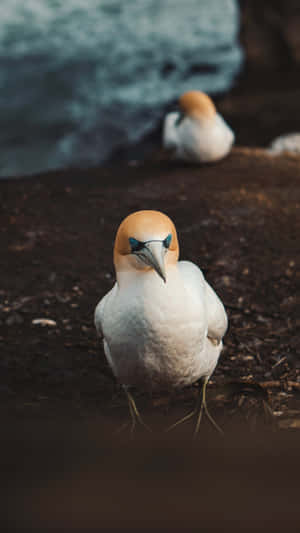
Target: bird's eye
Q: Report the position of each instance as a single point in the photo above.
(136, 245)
(167, 241)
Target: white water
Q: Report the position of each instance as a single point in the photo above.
(79, 78)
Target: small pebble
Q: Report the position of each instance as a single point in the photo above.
(43, 322)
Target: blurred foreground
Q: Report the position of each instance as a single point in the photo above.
(69, 477)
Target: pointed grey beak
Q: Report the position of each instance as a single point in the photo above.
(153, 254)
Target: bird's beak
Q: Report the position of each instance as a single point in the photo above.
(153, 254)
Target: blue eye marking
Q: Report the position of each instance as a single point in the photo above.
(167, 241)
(135, 244)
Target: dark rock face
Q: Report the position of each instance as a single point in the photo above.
(270, 33)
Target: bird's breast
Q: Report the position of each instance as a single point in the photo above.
(155, 330)
(206, 141)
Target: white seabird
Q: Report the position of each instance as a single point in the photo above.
(288, 143)
(197, 133)
(162, 324)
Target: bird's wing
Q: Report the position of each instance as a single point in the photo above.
(100, 311)
(170, 131)
(216, 315)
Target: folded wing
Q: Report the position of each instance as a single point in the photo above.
(170, 131)
(215, 313)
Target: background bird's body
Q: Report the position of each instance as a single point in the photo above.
(162, 335)
(197, 133)
(197, 140)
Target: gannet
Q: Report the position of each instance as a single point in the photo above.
(197, 133)
(288, 143)
(162, 324)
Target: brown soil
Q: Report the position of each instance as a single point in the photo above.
(238, 220)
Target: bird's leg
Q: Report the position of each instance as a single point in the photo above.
(132, 416)
(198, 412)
(134, 413)
(188, 416)
(202, 407)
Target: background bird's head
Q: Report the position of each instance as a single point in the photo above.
(197, 105)
(146, 240)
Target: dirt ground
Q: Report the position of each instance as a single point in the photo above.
(238, 220)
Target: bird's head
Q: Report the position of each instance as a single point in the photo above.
(196, 104)
(146, 240)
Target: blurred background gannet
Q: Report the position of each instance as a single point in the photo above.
(197, 133)
(162, 324)
(288, 143)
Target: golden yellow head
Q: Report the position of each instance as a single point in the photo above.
(145, 240)
(197, 104)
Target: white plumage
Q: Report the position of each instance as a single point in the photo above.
(156, 333)
(197, 133)
(196, 141)
(288, 143)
